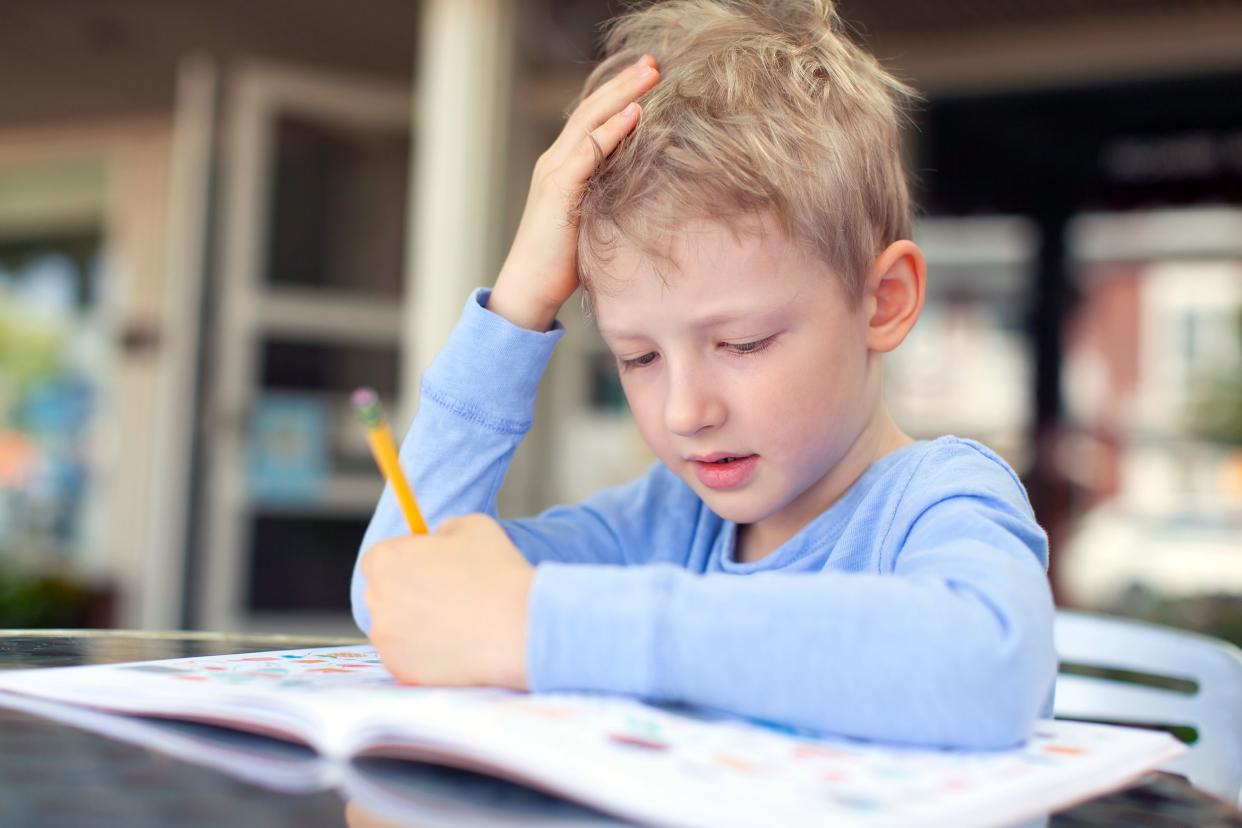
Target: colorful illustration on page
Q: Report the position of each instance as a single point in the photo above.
(825, 776)
(310, 669)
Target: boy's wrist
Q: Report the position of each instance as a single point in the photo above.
(517, 305)
(490, 368)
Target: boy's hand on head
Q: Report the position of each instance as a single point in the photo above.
(541, 271)
(450, 608)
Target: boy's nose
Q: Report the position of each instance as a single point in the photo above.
(691, 406)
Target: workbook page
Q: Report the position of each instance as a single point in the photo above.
(675, 767)
(268, 692)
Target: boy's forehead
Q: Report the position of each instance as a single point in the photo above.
(707, 251)
(707, 275)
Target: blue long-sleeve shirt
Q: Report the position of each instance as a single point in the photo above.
(915, 609)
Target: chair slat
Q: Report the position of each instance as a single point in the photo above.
(1214, 761)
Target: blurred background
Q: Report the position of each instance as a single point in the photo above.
(218, 217)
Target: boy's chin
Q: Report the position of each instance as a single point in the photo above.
(736, 507)
(748, 504)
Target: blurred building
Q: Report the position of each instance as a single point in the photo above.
(218, 218)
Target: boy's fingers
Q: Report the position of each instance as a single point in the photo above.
(604, 104)
(588, 154)
(611, 97)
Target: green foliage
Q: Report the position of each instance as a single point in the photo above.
(33, 601)
(1218, 614)
(29, 352)
(1217, 413)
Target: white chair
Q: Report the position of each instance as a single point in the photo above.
(1205, 692)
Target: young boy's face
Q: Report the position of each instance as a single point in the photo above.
(749, 351)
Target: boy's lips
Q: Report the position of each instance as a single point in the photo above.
(729, 475)
(716, 455)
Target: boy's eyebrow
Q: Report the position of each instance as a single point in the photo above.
(711, 320)
(714, 319)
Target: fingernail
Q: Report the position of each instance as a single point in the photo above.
(631, 110)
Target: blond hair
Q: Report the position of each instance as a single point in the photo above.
(763, 106)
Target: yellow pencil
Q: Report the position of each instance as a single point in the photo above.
(366, 403)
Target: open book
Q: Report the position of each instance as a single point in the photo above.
(334, 710)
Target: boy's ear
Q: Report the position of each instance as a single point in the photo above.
(894, 293)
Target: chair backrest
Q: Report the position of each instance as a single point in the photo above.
(1205, 692)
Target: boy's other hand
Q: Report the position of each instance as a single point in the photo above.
(541, 270)
(450, 608)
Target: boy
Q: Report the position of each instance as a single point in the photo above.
(729, 194)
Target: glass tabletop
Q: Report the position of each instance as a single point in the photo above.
(54, 774)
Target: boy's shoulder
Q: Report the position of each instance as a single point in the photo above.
(951, 466)
(971, 491)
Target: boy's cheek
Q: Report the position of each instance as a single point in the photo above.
(644, 408)
(655, 436)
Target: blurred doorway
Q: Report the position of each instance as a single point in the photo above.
(308, 306)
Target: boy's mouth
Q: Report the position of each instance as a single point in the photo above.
(724, 471)
(717, 457)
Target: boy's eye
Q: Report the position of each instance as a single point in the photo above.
(639, 362)
(749, 347)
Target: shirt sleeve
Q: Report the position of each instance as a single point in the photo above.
(953, 647)
(477, 403)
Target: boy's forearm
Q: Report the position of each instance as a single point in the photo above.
(879, 657)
